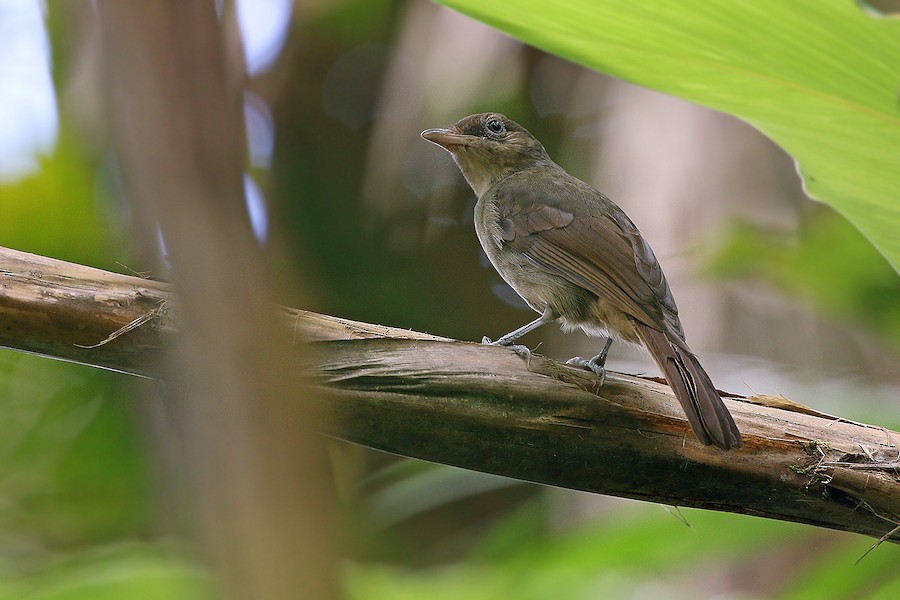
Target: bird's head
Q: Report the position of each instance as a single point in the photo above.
(488, 147)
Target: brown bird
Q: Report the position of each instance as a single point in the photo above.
(575, 257)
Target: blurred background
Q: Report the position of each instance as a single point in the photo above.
(777, 293)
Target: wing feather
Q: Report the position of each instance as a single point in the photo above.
(601, 250)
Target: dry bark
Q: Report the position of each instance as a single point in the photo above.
(485, 408)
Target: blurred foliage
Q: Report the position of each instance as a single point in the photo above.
(76, 494)
(838, 575)
(72, 463)
(817, 76)
(60, 210)
(643, 552)
(827, 262)
(74, 483)
(116, 572)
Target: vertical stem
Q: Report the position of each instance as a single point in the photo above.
(256, 468)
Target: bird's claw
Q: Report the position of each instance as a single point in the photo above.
(519, 349)
(578, 361)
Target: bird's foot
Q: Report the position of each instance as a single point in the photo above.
(591, 364)
(519, 349)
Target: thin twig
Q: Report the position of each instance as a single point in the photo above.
(144, 318)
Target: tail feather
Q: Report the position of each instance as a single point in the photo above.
(707, 414)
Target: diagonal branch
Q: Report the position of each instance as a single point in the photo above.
(484, 408)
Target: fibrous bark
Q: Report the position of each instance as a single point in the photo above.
(487, 409)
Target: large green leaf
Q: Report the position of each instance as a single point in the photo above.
(820, 77)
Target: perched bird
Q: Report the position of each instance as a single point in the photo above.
(575, 257)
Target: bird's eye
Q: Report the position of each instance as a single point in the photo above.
(495, 127)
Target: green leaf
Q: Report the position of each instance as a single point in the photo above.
(820, 77)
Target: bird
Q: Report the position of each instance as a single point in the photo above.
(576, 258)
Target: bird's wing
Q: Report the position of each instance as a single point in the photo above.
(601, 251)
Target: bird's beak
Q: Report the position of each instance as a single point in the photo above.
(447, 138)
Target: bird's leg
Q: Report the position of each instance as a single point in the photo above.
(596, 364)
(509, 338)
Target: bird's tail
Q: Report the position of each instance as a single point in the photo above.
(707, 414)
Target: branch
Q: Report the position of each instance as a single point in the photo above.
(484, 408)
